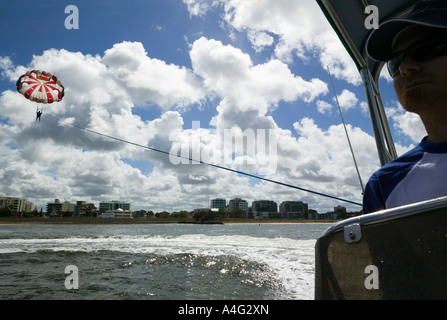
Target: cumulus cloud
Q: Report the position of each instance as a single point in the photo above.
(347, 100)
(407, 123)
(300, 27)
(260, 39)
(248, 91)
(101, 94)
(330, 163)
(5, 65)
(150, 80)
(324, 107)
(198, 7)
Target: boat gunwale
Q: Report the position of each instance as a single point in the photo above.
(389, 214)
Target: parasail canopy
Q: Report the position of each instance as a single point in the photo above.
(40, 86)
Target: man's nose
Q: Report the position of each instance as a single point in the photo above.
(408, 66)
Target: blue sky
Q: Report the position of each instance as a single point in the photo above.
(148, 72)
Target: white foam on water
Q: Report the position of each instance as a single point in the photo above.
(290, 260)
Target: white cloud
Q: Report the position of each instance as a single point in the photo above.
(326, 161)
(5, 65)
(248, 91)
(198, 7)
(347, 99)
(58, 160)
(406, 123)
(318, 160)
(324, 107)
(300, 26)
(260, 39)
(150, 80)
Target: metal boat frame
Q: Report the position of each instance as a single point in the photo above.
(398, 253)
(347, 18)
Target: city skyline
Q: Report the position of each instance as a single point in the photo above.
(115, 204)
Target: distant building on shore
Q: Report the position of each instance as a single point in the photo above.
(237, 204)
(16, 205)
(264, 209)
(54, 209)
(294, 210)
(58, 209)
(68, 208)
(113, 205)
(118, 213)
(218, 203)
(332, 215)
(80, 205)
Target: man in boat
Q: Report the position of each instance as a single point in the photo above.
(415, 50)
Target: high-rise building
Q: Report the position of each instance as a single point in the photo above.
(68, 208)
(79, 208)
(264, 209)
(238, 204)
(16, 204)
(294, 210)
(218, 203)
(54, 209)
(113, 205)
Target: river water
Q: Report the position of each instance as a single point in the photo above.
(159, 262)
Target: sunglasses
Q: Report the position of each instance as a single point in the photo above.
(421, 51)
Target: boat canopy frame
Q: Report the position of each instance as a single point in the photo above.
(347, 18)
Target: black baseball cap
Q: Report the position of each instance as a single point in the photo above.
(429, 13)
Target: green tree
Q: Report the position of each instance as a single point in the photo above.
(239, 213)
(163, 214)
(5, 212)
(89, 209)
(183, 214)
(206, 215)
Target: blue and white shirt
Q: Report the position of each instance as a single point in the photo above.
(418, 175)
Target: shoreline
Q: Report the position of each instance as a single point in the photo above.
(138, 221)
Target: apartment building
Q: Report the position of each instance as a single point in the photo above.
(16, 204)
(218, 203)
(238, 204)
(113, 205)
(264, 209)
(294, 210)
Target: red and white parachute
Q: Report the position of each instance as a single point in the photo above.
(40, 86)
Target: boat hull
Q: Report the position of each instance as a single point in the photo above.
(394, 254)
